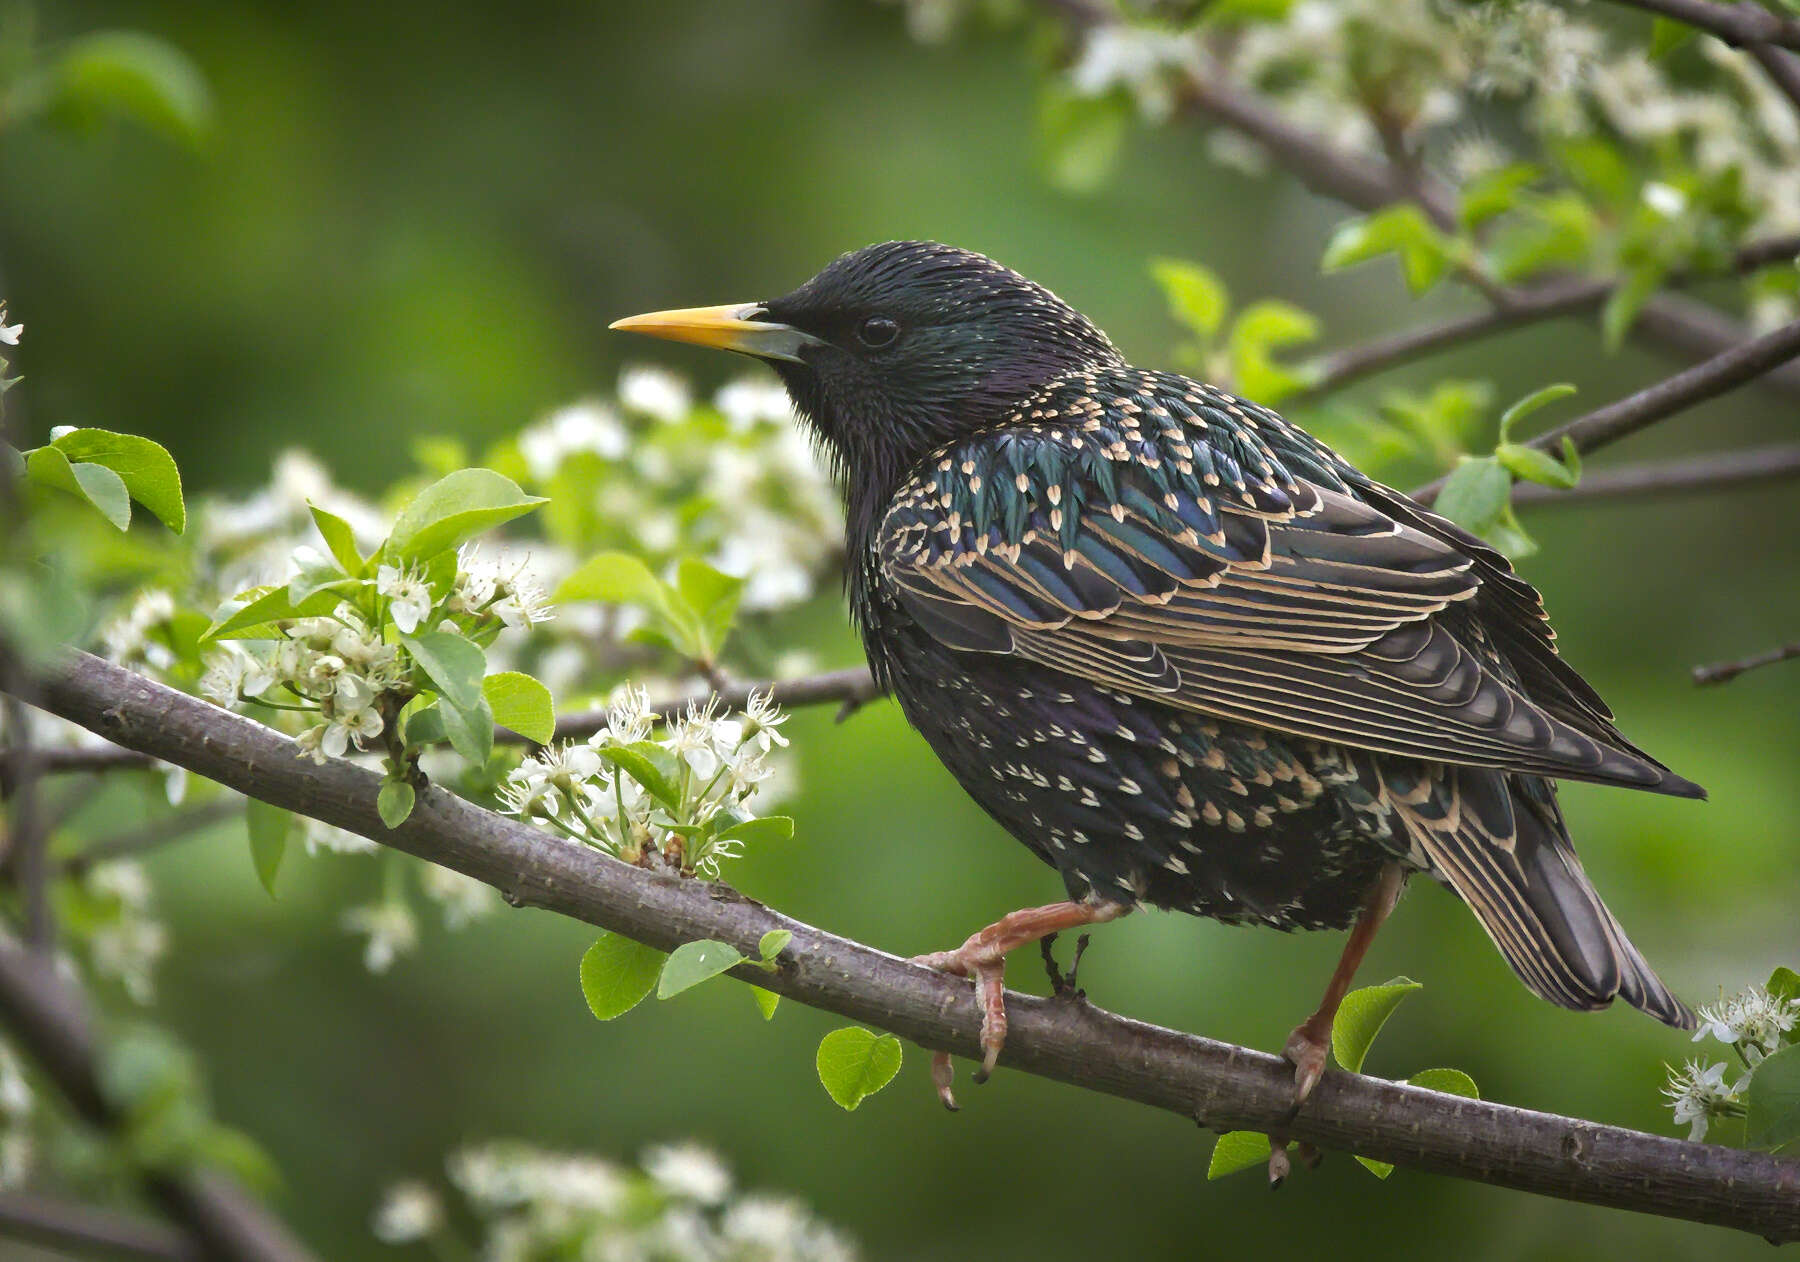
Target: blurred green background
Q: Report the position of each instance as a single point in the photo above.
(419, 219)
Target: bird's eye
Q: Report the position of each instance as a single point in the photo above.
(877, 331)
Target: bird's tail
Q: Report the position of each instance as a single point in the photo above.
(1507, 853)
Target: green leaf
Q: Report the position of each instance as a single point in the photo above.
(617, 974)
(340, 538)
(634, 761)
(1551, 232)
(95, 483)
(453, 662)
(1079, 138)
(1260, 329)
(469, 729)
(1488, 196)
(143, 78)
(694, 962)
(1784, 983)
(711, 597)
(1196, 295)
(1772, 1101)
(454, 509)
(231, 1150)
(773, 943)
(1626, 300)
(1476, 493)
(1425, 253)
(1534, 465)
(395, 802)
(315, 576)
(1238, 1150)
(766, 1000)
(1531, 403)
(521, 703)
(854, 1064)
(146, 468)
(1449, 1081)
(269, 827)
(1380, 1169)
(1361, 1017)
(255, 619)
(613, 578)
(1667, 35)
(760, 831)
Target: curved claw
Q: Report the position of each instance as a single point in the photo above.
(1305, 1051)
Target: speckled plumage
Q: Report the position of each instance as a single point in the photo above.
(1182, 650)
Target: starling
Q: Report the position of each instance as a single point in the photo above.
(1180, 648)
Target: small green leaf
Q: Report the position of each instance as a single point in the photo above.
(612, 578)
(1196, 295)
(1475, 494)
(340, 538)
(1772, 1101)
(453, 662)
(773, 943)
(1425, 253)
(146, 468)
(854, 1064)
(617, 974)
(454, 509)
(1626, 300)
(314, 576)
(1380, 1169)
(395, 802)
(521, 703)
(766, 1000)
(469, 729)
(1259, 330)
(231, 1150)
(712, 599)
(1449, 1081)
(1488, 196)
(1238, 1150)
(143, 78)
(1079, 138)
(694, 962)
(760, 831)
(1361, 1017)
(1534, 465)
(1531, 403)
(269, 827)
(635, 761)
(262, 607)
(1667, 35)
(1784, 983)
(95, 483)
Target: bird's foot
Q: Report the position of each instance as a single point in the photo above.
(1281, 1164)
(1062, 985)
(1306, 1050)
(982, 959)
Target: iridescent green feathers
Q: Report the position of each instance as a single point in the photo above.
(1155, 535)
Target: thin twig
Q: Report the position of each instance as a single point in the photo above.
(176, 827)
(1220, 1085)
(62, 1225)
(1687, 476)
(47, 1022)
(1623, 417)
(1720, 672)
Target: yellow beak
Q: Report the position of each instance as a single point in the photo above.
(732, 327)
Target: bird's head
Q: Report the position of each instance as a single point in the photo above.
(895, 350)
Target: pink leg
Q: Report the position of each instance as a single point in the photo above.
(983, 958)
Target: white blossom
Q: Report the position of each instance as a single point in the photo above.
(1140, 59)
(1753, 1021)
(586, 426)
(655, 392)
(752, 401)
(409, 595)
(408, 1211)
(391, 930)
(1698, 1094)
(688, 1171)
(461, 899)
(9, 333)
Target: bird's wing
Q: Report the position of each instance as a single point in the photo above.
(1181, 547)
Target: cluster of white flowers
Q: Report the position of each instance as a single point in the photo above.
(247, 542)
(715, 763)
(679, 1207)
(1148, 62)
(736, 483)
(124, 940)
(1755, 1022)
(390, 928)
(139, 637)
(1699, 1095)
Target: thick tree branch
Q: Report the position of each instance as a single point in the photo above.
(1739, 25)
(1720, 672)
(62, 1225)
(47, 1021)
(1220, 1085)
(1623, 417)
